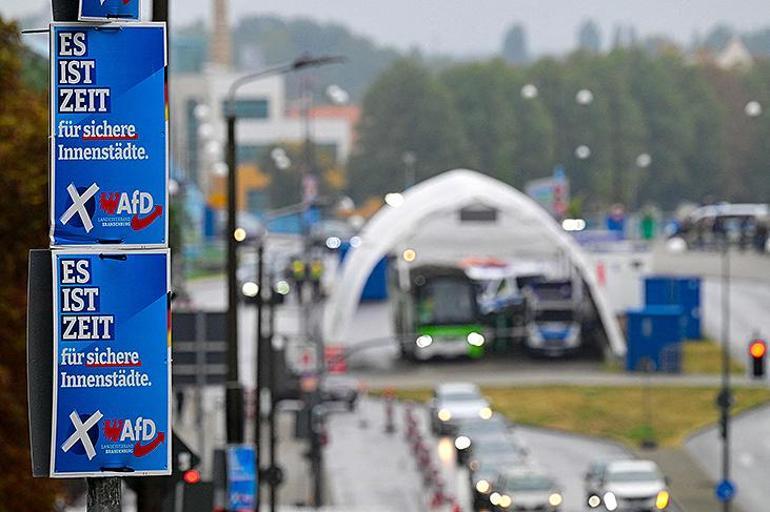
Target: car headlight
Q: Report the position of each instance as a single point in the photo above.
(444, 415)
(475, 339)
(594, 501)
(662, 500)
(462, 442)
(610, 501)
(505, 501)
(424, 341)
(483, 486)
(555, 499)
(485, 413)
(494, 498)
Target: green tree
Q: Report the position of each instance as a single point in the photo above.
(480, 92)
(24, 218)
(406, 109)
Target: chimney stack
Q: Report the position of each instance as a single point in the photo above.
(221, 42)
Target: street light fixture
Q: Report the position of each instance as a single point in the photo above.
(234, 390)
(584, 97)
(582, 152)
(753, 108)
(529, 92)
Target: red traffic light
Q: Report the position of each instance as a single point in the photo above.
(758, 349)
(192, 476)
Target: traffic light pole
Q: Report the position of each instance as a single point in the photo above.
(725, 395)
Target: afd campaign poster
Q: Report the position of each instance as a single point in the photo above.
(98, 10)
(241, 478)
(112, 372)
(109, 135)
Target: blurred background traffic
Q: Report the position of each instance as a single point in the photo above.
(499, 257)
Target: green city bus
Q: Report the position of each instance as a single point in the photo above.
(437, 314)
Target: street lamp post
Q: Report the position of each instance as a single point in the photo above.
(234, 390)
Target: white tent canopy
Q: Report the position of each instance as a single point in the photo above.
(428, 221)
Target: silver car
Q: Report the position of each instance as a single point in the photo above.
(453, 402)
(633, 486)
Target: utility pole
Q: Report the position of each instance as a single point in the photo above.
(260, 361)
(233, 390)
(103, 494)
(725, 396)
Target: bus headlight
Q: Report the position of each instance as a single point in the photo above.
(424, 341)
(444, 415)
(475, 339)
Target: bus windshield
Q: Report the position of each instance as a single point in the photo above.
(446, 302)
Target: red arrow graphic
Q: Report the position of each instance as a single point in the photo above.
(139, 223)
(140, 450)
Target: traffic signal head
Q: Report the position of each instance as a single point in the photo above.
(758, 351)
(191, 476)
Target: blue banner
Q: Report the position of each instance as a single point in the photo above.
(241, 478)
(109, 10)
(112, 378)
(109, 132)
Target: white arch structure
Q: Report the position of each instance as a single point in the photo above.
(529, 232)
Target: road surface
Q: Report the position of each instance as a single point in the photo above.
(750, 457)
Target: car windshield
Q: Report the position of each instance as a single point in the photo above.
(529, 483)
(459, 396)
(446, 302)
(633, 476)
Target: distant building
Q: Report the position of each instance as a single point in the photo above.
(265, 119)
(734, 56)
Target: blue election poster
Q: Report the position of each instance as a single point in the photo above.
(108, 10)
(109, 135)
(241, 478)
(112, 373)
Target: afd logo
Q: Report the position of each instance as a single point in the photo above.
(139, 204)
(140, 431)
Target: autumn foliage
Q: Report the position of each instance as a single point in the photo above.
(23, 225)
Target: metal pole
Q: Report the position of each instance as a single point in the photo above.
(272, 379)
(103, 494)
(234, 391)
(726, 398)
(259, 366)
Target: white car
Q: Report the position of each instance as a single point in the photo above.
(526, 489)
(633, 486)
(456, 401)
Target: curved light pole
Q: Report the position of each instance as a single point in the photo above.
(234, 390)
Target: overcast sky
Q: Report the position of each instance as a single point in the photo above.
(469, 27)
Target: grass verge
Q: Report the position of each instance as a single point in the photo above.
(705, 357)
(618, 413)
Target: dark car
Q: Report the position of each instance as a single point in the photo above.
(472, 429)
(493, 455)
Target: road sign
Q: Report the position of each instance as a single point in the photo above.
(200, 349)
(241, 478)
(100, 10)
(109, 141)
(725, 490)
(112, 373)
